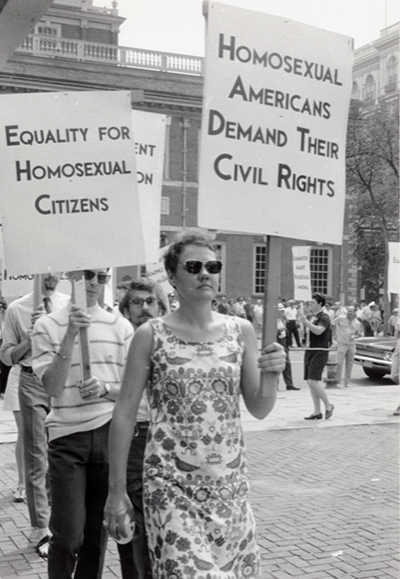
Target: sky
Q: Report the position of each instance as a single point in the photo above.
(179, 26)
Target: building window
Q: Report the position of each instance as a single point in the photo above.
(259, 269)
(369, 88)
(355, 92)
(47, 29)
(321, 270)
(221, 252)
(164, 205)
(142, 271)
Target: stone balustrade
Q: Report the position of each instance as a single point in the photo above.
(84, 51)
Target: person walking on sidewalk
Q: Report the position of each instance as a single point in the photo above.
(316, 357)
(282, 339)
(78, 424)
(348, 329)
(292, 316)
(139, 305)
(34, 401)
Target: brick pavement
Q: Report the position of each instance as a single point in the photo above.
(326, 503)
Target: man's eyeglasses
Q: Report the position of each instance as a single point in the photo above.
(194, 266)
(139, 302)
(101, 277)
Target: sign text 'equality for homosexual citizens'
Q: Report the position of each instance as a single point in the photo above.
(274, 125)
(69, 181)
(25, 170)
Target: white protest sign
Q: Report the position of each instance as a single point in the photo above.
(149, 132)
(394, 268)
(301, 273)
(68, 182)
(276, 102)
(19, 285)
(156, 272)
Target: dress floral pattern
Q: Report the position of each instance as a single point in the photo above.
(196, 492)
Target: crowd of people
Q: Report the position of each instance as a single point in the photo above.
(369, 315)
(148, 447)
(152, 439)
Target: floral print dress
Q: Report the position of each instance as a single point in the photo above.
(196, 493)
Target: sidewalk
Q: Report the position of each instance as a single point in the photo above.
(324, 493)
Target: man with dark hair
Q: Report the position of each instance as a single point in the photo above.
(143, 301)
(316, 356)
(223, 305)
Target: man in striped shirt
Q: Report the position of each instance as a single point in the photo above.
(78, 425)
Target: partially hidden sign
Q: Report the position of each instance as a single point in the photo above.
(301, 272)
(273, 141)
(69, 195)
(149, 131)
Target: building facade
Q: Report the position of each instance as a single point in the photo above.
(75, 47)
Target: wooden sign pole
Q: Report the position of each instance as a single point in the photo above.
(78, 297)
(273, 252)
(37, 290)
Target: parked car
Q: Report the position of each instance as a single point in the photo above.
(375, 355)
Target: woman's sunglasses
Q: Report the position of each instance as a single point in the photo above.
(194, 266)
(101, 277)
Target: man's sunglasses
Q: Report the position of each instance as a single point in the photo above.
(138, 302)
(101, 277)
(194, 266)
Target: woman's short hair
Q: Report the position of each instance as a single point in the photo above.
(171, 258)
(319, 298)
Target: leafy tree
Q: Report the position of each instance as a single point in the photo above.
(373, 184)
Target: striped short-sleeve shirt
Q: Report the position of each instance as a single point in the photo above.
(109, 337)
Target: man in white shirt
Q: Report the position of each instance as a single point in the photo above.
(34, 401)
(348, 328)
(291, 314)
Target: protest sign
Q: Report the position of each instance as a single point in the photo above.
(156, 272)
(276, 102)
(301, 272)
(394, 268)
(19, 285)
(68, 182)
(149, 132)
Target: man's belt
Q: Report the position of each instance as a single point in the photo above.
(27, 369)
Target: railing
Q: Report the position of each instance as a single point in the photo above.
(84, 51)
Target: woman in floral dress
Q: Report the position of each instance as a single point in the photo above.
(194, 364)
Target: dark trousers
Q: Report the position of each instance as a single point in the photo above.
(287, 373)
(134, 556)
(4, 372)
(368, 331)
(78, 474)
(291, 326)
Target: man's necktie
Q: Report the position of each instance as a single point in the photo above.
(47, 304)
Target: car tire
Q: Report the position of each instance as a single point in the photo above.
(374, 373)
